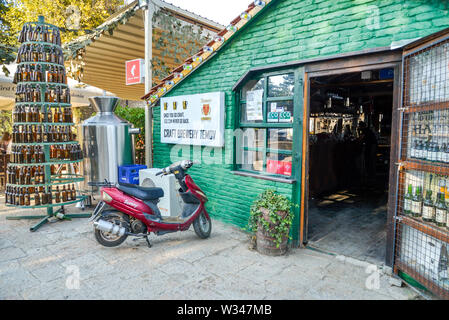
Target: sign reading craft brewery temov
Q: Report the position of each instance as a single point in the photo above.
(193, 119)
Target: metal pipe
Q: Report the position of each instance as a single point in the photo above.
(134, 131)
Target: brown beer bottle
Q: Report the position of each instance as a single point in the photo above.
(57, 195)
(56, 116)
(41, 155)
(37, 198)
(17, 196)
(28, 177)
(42, 175)
(44, 198)
(73, 193)
(21, 197)
(64, 194)
(27, 197)
(49, 195)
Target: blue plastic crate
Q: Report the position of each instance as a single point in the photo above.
(130, 173)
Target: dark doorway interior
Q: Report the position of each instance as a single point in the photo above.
(349, 148)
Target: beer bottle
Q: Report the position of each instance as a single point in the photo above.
(57, 195)
(45, 134)
(40, 74)
(64, 194)
(44, 198)
(27, 197)
(28, 115)
(42, 175)
(37, 198)
(60, 116)
(21, 197)
(37, 114)
(48, 113)
(49, 77)
(51, 134)
(30, 134)
(73, 193)
(55, 116)
(28, 177)
(408, 201)
(67, 152)
(17, 196)
(23, 114)
(28, 155)
(49, 195)
(38, 134)
(41, 155)
(440, 210)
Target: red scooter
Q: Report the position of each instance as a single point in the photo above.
(130, 210)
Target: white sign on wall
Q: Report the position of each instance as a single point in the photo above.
(193, 119)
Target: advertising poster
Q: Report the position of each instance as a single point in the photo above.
(193, 119)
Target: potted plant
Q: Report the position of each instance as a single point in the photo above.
(270, 220)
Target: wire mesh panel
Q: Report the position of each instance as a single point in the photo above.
(422, 238)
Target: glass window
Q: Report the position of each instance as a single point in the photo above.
(280, 139)
(252, 160)
(281, 85)
(253, 138)
(253, 95)
(252, 114)
(253, 85)
(266, 115)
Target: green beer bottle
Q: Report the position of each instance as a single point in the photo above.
(408, 200)
(417, 203)
(428, 208)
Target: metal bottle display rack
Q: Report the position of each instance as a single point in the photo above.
(57, 178)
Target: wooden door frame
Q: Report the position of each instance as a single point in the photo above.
(358, 63)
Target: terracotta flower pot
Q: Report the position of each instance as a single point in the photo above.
(266, 244)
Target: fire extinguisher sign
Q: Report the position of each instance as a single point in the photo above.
(135, 71)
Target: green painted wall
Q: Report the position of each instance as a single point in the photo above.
(290, 30)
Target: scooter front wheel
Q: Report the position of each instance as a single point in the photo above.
(111, 240)
(202, 226)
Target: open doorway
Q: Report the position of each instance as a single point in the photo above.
(350, 121)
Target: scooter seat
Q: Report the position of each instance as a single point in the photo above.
(142, 193)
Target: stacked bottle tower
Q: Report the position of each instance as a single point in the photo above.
(43, 168)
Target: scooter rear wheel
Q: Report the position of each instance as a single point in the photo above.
(202, 226)
(107, 239)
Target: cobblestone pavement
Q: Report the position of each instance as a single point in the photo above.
(46, 265)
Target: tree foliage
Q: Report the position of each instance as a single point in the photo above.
(73, 17)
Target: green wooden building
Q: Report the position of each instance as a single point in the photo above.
(286, 53)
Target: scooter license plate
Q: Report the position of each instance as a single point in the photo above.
(97, 210)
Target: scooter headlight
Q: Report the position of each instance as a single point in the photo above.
(106, 197)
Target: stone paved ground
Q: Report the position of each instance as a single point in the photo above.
(42, 265)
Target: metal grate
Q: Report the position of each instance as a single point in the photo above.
(422, 238)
